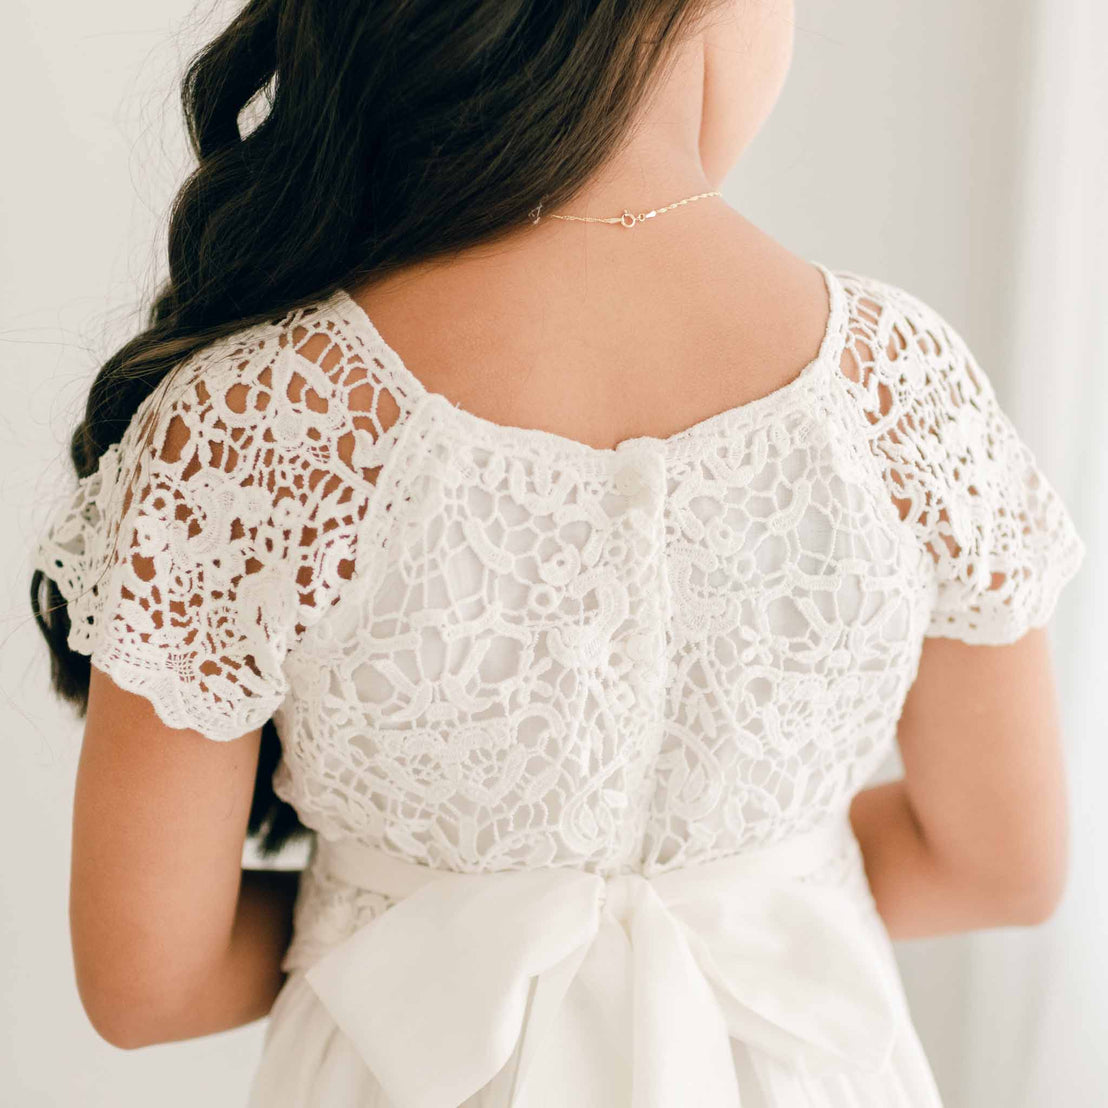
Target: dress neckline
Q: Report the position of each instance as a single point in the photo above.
(350, 315)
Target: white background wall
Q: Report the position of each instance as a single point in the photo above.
(897, 150)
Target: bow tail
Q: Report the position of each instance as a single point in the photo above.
(576, 1046)
(630, 1020)
(682, 1044)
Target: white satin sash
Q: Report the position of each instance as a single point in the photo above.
(435, 992)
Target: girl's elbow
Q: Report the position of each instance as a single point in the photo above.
(1032, 892)
(118, 1032)
(129, 1009)
(117, 1024)
(1039, 900)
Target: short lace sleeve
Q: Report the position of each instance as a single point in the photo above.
(1002, 541)
(219, 529)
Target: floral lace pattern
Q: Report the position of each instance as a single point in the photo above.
(222, 525)
(489, 647)
(1001, 539)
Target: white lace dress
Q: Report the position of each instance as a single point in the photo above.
(577, 729)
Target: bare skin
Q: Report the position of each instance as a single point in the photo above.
(595, 333)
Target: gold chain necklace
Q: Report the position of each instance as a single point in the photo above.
(628, 219)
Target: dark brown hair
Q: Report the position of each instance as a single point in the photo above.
(392, 133)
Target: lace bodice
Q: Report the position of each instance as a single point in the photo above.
(488, 647)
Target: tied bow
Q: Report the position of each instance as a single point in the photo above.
(665, 970)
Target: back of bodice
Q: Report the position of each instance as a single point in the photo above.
(488, 647)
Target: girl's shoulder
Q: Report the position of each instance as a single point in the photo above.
(225, 521)
(290, 387)
(1001, 539)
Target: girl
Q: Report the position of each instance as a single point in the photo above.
(558, 555)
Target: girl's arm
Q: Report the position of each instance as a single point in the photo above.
(171, 937)
(975, 833)
(242, 987)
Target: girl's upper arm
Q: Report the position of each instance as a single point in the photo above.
(159, 823)
(219, 529)
(984, 769)
(979, 732)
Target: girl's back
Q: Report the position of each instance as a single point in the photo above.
(564, 581)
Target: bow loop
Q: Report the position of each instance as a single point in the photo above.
(444, 974)
(795, 972)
